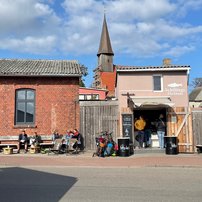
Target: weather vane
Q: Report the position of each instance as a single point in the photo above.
(105, 9)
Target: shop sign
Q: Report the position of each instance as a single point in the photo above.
(175, 89)
(127, 123)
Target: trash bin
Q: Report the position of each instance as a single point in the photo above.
(123, 145)
(131, 148)
(171, 145)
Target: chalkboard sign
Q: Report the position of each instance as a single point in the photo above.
(127, 125)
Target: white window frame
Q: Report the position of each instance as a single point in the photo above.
(89, 97)
(81, 97)
(160, 75)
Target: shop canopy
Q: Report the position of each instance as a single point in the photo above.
(153, 102)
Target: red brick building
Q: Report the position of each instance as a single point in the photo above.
(92, 94)
(39, 95)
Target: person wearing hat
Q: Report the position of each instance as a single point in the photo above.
(23, 141)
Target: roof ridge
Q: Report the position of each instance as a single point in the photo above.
(151, 66)
(29, 59)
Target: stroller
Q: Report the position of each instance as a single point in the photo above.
(105, 145)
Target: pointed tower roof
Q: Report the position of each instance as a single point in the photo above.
(105, 44)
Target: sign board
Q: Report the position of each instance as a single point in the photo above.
(127, 125)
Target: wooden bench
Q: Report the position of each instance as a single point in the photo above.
(12, 141)
(46, 141)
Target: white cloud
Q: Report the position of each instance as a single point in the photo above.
(137, 27)
(22, 16)
(184, 6)
(147, 39)
(42, 9)
(30, 44)
(178, 51)
(166, 30)
(139, 9)
(79, 6)
(141, 28)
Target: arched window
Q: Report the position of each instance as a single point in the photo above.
(25, 107)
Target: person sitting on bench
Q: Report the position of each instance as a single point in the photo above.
(23, 141)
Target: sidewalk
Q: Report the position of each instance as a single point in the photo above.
(86, 160)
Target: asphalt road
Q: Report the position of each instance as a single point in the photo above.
(53, 184)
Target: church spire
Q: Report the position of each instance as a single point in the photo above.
(105, 53)
(105, 43)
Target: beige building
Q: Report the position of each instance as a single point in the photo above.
(149, 91)
(146, 91)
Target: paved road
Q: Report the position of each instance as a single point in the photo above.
(53, 184)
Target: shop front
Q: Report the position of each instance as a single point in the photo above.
(150, 109)
(151, 93)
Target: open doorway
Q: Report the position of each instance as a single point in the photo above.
(150, 115)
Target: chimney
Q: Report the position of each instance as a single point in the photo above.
(166, 61)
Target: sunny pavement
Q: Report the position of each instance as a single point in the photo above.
(86, 160)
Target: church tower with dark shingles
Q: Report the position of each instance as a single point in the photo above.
(105, 53)
(105, 73)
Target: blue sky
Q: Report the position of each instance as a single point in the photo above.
(142, 32)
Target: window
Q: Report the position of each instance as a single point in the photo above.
(25, 107)
(81, 97)
(89, 97)
(157, 82)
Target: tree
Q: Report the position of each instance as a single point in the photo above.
(81, 83)
(197, 82)
(84, 71)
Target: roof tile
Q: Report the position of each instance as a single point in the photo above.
(20, 67)
(139, 68)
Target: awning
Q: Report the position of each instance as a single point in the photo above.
(160, 101)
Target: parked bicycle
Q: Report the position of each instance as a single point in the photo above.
(105, 144)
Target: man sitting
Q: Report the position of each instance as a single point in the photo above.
(23, 141)
(35, 140)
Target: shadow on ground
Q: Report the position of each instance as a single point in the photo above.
(20, 184)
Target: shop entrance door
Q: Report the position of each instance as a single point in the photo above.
(150, 115)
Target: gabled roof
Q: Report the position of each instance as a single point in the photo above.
(196, 95)
(121, 68)
(105, 43)
(47, 68)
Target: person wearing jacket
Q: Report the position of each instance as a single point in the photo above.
(140, 125)
(161, 129)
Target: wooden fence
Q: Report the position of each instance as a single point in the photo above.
(95, 117)
(180, 125)
(197, 126)
(186, 124)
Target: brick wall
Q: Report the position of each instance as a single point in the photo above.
(57, 104)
